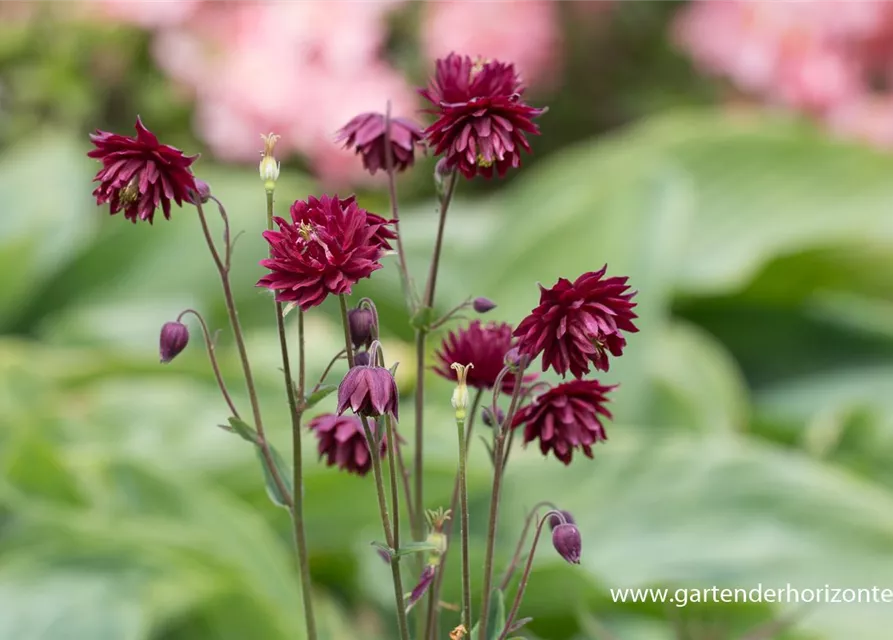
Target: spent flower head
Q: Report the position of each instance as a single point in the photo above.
(140, 174)
(269, 166)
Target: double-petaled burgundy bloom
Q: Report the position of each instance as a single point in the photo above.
(342, 441)
(368, 391)
(139, 174)
(329, 244)
(566, 417)
(579, 322)
(366, 134)
(484, 346)
(481, 118)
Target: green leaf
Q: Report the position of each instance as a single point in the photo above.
(383, 547)
(423, 318)
(243, 429)
(319, 395)
(416, 547)
(284, 472)
(497, 614)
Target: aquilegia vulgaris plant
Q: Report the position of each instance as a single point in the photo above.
(321, 247)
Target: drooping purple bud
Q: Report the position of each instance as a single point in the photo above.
(489, 419)
(369, 391)
(361, 359)
(419, 590)
(201, 193)
(174, 338)
(567, 542)
(361, 322)
(483, 305)
(555, 521)
(515, 360)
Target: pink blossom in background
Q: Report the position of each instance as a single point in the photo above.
(525, 32)
(820, 57)
(147, 14)
(255, 67)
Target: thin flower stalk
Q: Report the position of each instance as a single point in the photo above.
(212, 357)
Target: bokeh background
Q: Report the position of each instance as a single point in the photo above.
(731, 157)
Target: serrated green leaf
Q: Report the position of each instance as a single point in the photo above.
(284, 472)
(319, 395)
(243, 429)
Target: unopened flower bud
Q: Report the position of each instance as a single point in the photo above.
(361, 359)
(362, 323)
(269, 166)
(442, 175)
(174, 338)
(201, 193)
(483, 305)
(515, 360)
(567, 542)
(555, 521)
(460, 394)
(489, 419)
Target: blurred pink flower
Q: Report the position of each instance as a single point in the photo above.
(146, 13)
(254, 67)
(817, 56)
(524, 32)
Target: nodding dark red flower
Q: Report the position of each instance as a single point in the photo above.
(329, 245)
(567, 542)
(366, 134)
(566, 417)
(484, 346)
(342, 441)
(580, 322)
(369, 391)
(481, 118)
(139, 174)
(174, 338)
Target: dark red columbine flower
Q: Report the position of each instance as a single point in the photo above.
(369, 391)
(425, 580)
(481, 118)
(140, 173)
(342, 441)
(484, 346)
(578, 323)
(383, 232)
(566, 417)
(366, 134)
(329, 244)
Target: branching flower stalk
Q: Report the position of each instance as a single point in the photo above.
(296, 403)
(324, 247)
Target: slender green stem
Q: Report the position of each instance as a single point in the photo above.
(296, 410)
(525, 577)
(421, 342)
(520, 548)
(463, 497)
(408, 288)
(379, 489)
(392, 469)
(325, 372)
(233, 314)
(212, 356)
(434, 593)
(494, 507)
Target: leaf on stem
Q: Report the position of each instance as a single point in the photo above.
(284, 473)
(497, 615)
(517, 625)
(319, 395)
(242, 428)
(422, 319)
(416, 547)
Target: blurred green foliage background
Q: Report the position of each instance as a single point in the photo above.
(752, 440)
